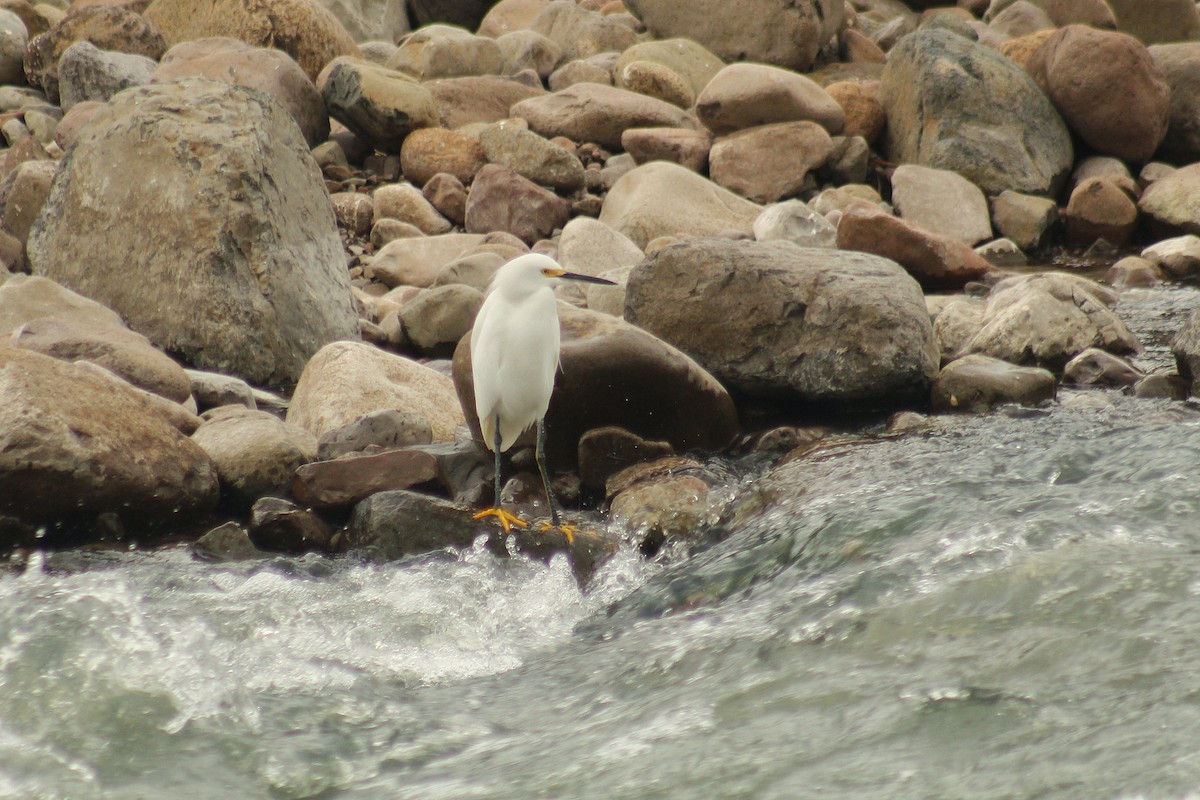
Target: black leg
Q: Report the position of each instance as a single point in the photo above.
(541, 462)
(496, 450)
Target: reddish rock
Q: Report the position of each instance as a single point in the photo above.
(1107, 88)
(343, 481)
(477, 98)
(1099, 209)
(447, 194)
(502, 200)
(860, 102)
(683, 146)
(937, 262)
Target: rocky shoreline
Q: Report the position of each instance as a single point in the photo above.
(237, 279)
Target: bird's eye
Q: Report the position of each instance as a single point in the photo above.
(548, 272)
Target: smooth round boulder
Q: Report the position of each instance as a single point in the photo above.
(255, 452)
(1107, 88)
(747, 95)
(346, 380)
(783, 322)
(1099, 209)
(941, 202)
(591, 112)
(1171, 205)
(446, 51)
(978, 383)
(769, 162)
(1180, 67)
(379, 105)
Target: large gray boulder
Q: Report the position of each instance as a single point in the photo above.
(776, 320)
(958, 105)
(194, 210)
(1180, 65)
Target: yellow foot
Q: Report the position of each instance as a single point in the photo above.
(568, 530)
(507, 520)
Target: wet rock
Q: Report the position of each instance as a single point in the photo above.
(269, 70)
(1026, 219)
(1094, 367)
(1186, 349)
(661, 506)
(478, 98)
(956, 324)
(1155, 21)
(1099, 209)
(405, 202)
(76, 441)
(937, 262)
(531, 156)
(1179, 257)
(1107, 89)
(346, 480)
(212, 390)
(683, 146)
(446, 51)
(747, 95)
(85, 72)
(254, 311)
(1133, 271)
(1048, 319)
(280, 526)
(590, 112)
(346, 380)
(1171, 205)
(226, 542)
(437, 318)
(390, 525)
(106, 27)
(663, 199)
(116, 348)
(957, 105)
(303, 29)
(502, 200)
(416, 261)
(379, 105)
(614, 373)
(795, 222)
(255, 452)
(1162, 387)
(580, 32)
(603, 452)
(787, 34)
(775, 320)
(386, 428)
(941, 202)
(769, 162)
(978, 383)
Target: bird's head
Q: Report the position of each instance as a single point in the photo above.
(533, 271)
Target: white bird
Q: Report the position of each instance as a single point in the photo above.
(514, 357)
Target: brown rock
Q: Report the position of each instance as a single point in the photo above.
(857, 47)
(447, 194)
(1099, 209)
(510, 15)
(860, 103)
(107, 28)
(1133, 272)
(255, 452)
(354, 211)
(502, 200)
(22, 195)
(603, 452)
(683, 146)
(266, 69)
(769, 162)
(937, 262)
(977, 383)
(118, 349)
(379, 105)
(345, 481)
(1021, 49)
(428, 151)
(1107, 88)
(304, 29)
(579, 32)
(405, 202)
(76, 441)
(747, 95)
(416, 261)
(68, 127)
(477, 98)
(591, 112)
(279, 526)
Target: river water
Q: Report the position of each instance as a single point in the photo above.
(1004, 606)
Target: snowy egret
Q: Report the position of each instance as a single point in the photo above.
(514, 356)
